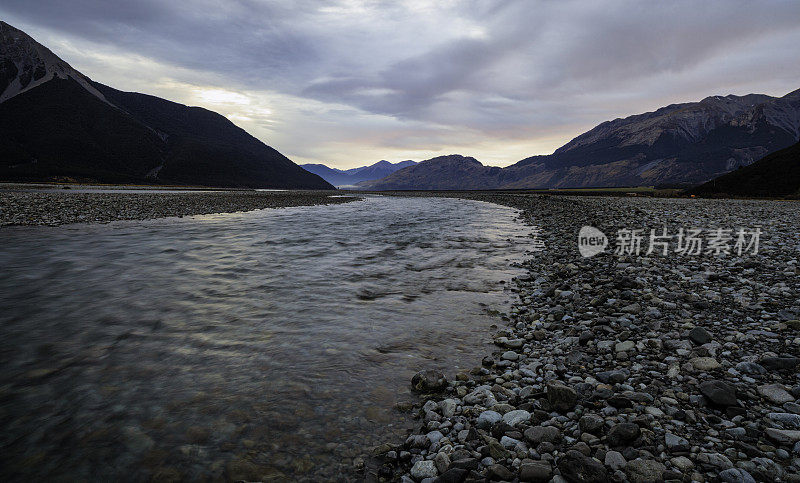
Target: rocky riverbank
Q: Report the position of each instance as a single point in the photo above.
(53, 207)
(676, 367)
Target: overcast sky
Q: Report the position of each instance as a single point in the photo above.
(348, 83)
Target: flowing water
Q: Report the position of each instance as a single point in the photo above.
(268, 344)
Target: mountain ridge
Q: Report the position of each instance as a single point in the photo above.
(58, 124)
(353, 176)
(686, 143)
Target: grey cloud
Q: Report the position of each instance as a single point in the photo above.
(500, 67)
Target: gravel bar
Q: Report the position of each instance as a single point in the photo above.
(643, 368)
(58, 207)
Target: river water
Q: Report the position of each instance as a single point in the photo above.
(271, 344)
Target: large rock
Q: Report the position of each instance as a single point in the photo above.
(513, 418)
(623, 434)
(719, 392)
(535, 471)
(705, 363)
(779, 363)
(561, 398)
(538, 434)
(775, 393)
(675, 443)
(699, 336)
(424, 469)
(644, 471)
(487, 419)
(785, 436)
(736, 475)
(577, 467)
(429, 381)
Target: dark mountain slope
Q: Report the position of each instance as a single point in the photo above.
(59, 129)
(775, 175)
(205, 148)
(56, 123)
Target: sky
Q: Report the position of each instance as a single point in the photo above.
(350, 82)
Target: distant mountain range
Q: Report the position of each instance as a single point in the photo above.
(775, 175)
(57, 124)
(351, 177)
(684, 144)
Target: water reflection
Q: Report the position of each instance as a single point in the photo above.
(268, 344)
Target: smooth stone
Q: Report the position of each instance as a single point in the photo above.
(513, 418)
(699, 336)
(676, 443)
(751, 368)
(424, 469)
(615, 460)
(719, 392)
(682, 463)
(624, 346)
(644, 471)
(538, 434)
(786, 419)
(786, 436)
(775, 393)
(500, 472)
(535, 471)
(509, 356)
(561, 398)
(487, 419)
(716, 460)
(591, 423)
(736, 475)
(704, 363)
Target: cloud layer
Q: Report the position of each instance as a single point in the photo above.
(350, 82)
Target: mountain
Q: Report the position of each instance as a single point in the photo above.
(775, 175)
(678, 144)
(351, 177)
(59, 124)
(440, 173)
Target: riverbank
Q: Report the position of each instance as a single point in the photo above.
(23, 206)
(638, 368)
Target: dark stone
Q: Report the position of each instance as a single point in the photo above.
(535, 471)
(465, 463)
(429, 381)
(611, 377)
(699, 336)
(576, 467)
(719, 393)
(779, 363)
(561, 398)
(500, 472)
(619, 402)
(453, 475)
(622, 434)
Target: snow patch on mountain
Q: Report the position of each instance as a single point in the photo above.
(25, 64)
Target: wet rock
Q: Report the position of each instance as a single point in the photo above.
(751, 368)
(429, 381)
(779, 363)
